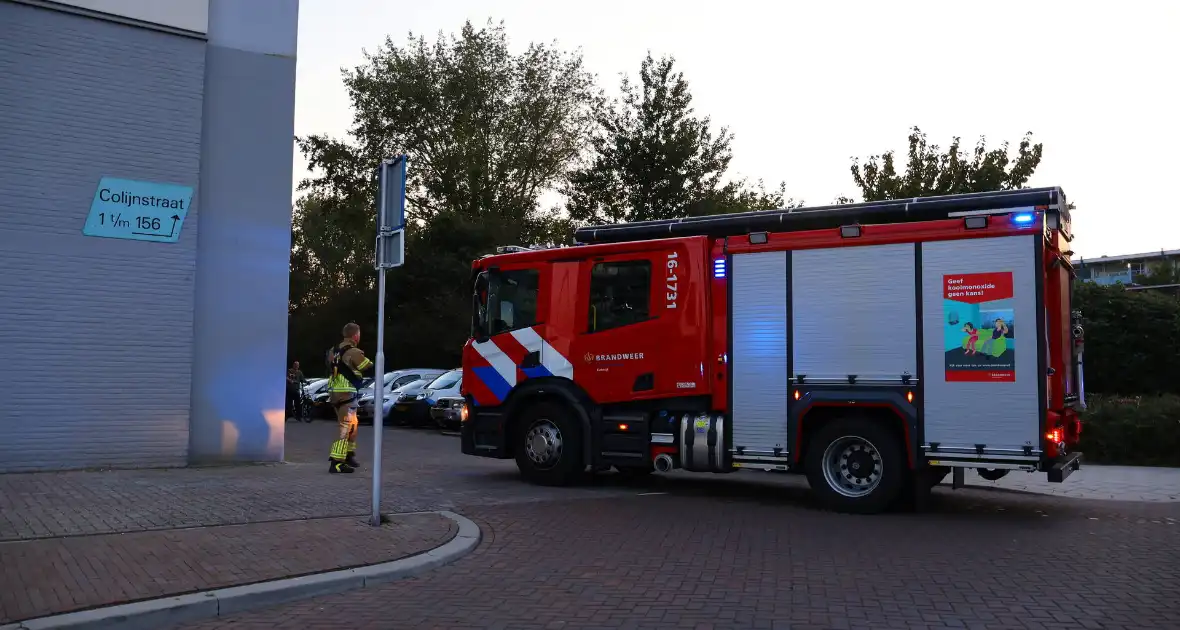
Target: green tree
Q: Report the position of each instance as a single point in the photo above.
(1159, 273)
(487, 132)
(654, 158)
(931, 171)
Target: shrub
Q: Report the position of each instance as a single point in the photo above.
(1139, 430)
(1130, 340)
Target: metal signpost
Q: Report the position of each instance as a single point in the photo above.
(390, 253)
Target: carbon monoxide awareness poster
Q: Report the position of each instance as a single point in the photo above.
(979, 327)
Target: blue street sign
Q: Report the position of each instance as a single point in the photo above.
(391, 202)
(136, 210)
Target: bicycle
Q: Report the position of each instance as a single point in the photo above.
(302, 406)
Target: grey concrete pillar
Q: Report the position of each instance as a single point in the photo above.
(243, 248)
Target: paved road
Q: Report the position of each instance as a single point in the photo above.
(1115, 483)
(719, 552)
(422, 471)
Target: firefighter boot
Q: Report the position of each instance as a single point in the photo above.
(350, 461)
(339, 458)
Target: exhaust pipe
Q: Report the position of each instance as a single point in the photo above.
(663, 462)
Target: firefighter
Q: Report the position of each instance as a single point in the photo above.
(347, 363)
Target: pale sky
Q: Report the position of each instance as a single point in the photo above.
(804, 86)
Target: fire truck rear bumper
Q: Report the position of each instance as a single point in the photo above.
(1065, 467)
(483, 435)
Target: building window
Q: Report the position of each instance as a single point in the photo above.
(620, 294)
(516, 294)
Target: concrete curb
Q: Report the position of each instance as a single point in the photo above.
(167, 611)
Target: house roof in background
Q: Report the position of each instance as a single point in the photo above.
(1163, 253)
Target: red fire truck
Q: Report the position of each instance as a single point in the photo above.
(874, 347)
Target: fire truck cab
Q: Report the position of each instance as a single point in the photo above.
(874, 347)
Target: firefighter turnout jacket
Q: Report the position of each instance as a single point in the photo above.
(348, 362)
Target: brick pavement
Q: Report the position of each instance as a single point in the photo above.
(56, 575)
(421, 471)
(425, 471)
(1115, 483)
(767, 559)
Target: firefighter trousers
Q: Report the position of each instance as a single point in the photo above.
(345, 446)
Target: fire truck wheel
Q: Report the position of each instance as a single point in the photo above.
(548, 445)
(856, 465)
(992, 474)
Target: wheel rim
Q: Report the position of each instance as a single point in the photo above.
(852, 466)
(543, 444)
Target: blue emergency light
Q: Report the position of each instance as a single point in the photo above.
(719, 268)
(1024, 218)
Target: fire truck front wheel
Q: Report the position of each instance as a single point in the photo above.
(856, 465)
(548, 445)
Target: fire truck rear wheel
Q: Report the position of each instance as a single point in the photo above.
(548, 445)
(856, 465)
(992, 474)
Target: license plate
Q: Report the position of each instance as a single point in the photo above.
(400, 407)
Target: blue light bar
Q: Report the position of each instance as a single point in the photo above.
(1024, 218)
(719, 268)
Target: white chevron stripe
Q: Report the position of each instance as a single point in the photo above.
(503, 365)
(553, 361)
(529, 339)
(557, 364)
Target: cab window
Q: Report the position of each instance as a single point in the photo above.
(514, 300)
(620, 294)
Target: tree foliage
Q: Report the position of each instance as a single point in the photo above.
(487, 132)
(1158, 273)
(655, 158)
(929, 170)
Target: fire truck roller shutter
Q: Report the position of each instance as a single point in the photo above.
(854, 312)
(758, 358)
(989, 395)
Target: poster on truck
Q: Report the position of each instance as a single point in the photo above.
(979, 327)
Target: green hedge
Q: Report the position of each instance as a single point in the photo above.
(1132, 376)
(1139, 431)
(1131, 340)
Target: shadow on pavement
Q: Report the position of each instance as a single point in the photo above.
(792, 492)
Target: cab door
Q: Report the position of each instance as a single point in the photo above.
(515, 312)
(633, 340)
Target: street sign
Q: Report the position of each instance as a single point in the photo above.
(391, 178)
(390, 252)
(391, 213)
(391, 249)
(137, 210)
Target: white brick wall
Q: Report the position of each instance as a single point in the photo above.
(95, 334)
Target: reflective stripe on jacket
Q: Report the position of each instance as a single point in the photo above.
(352, 359)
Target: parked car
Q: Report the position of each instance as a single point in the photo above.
(313, 386)
(319, 400)
(413, 405)
(447, 412)
(395, 382)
